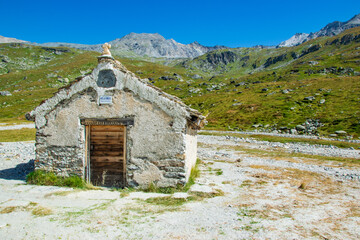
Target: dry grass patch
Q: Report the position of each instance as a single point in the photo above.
(41, 211)
(10, 209)
(32, 206)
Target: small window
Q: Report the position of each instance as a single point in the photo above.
(106, 79)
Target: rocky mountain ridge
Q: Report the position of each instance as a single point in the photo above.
(331, 29)
(144, 45)
(136, 45)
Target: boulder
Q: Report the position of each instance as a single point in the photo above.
(196, 76)
(340, 133)
(300, 128)
(5, 93)
(309, 99)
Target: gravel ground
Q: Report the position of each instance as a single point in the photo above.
(19, 126)
(239, 195)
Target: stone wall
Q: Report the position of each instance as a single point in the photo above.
(191, 151)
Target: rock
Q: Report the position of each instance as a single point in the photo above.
(333, 135)
(313, 63)
(264, 90)
(166, 78)
(237, 104)
(177, 88)
(51, 75)
(5, 93)
(180, 195)
(293, 131)
(139, 72)
(340, 133)
(196, 76)
(240, 84)
(285, 91)
(300, 128)
(322, 101)
(309, 99)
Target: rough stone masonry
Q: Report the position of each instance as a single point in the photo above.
(161, 131)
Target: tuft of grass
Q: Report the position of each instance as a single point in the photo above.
(40, 177)
(17, 135)
(166, 201)
(41, 211)
(218, 172)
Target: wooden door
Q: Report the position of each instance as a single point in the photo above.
(107, 156)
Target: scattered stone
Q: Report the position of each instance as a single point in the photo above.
(309, 99)
(5, 93)
(51, 75)
(300, 128)
(313, 63)
(293, 131)
(196, 76)
(340, 133)
(166, 78)
(237, 104)
(180, 195)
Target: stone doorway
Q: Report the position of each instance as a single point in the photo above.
(106, 155)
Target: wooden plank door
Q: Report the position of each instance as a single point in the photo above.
(107, 156)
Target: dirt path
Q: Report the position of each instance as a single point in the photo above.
(239, 195)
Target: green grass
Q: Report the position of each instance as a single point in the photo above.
(25, 134)
(40, 177)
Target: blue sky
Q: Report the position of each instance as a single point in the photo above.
(230, 23)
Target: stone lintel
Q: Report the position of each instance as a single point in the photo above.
(107, 121)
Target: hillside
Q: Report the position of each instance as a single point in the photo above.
(313, 87)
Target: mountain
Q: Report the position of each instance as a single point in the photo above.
(332, 29)
(145, 45)
(10, 40)
(295, 40)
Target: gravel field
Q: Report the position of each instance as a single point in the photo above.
(247, 189)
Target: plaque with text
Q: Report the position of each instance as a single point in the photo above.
(105, 100)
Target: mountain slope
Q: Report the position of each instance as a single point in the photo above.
(331, 29)
(10, 40)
